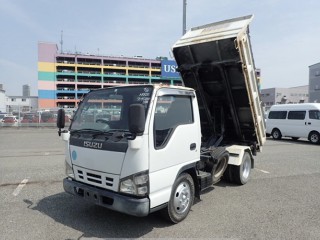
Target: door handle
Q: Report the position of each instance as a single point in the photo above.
(193, 146)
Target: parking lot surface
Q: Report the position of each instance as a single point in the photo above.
(281, 200)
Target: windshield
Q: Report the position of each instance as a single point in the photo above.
(107, 109)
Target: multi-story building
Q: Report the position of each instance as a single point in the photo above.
(271, 96)
(63, 78)
(26, 90)
(314, 83)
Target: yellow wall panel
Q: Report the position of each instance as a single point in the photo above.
(46, 67)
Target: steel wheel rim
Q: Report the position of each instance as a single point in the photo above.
(275, 134)
(314, 138)
(181, 199)
(246, 169)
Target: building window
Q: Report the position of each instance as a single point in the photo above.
(13, 99)
(23, 100)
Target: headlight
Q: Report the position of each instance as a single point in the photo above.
(137, 184)
(68, 170)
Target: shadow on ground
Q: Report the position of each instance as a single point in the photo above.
(93, 220)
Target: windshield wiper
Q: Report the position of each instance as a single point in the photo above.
(115, 134)
(87, 130)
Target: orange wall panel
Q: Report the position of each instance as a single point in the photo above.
(46, 103)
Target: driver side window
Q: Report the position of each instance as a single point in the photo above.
(171, 111)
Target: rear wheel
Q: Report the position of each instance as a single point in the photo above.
(314, 137)
(181, 199)
(276, 134)
(220, 168)
(241, 174)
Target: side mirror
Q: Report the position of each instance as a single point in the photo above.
(61, 120)
(137, 119)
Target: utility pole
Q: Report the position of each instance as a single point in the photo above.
(184, 25)
(61, 41)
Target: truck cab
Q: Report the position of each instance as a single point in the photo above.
(139, 166)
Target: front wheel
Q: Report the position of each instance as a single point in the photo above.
(276, 134)
(314, 137)
(181, 199)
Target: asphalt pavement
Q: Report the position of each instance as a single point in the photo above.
(281, 200)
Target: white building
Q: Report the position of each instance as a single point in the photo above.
(3, 101)
(271, 96)
(21, 104)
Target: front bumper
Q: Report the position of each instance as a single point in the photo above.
(133, 206)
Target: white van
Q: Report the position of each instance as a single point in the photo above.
(295, 121)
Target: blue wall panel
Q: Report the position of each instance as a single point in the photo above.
(46, 94)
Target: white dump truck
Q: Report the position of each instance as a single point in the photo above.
(138, 149)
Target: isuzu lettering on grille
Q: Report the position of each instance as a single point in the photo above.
(89, 144)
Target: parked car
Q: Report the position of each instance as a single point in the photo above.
(30, 118)
(10, 121)
(48, 117)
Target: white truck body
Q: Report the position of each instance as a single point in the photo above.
(157, 150)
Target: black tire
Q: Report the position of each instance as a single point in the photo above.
(218, 171)
(241, 174)
(295, 138)
(181, 199)
(276, 134)
(227, 176)
(314, 137)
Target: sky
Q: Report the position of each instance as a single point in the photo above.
(285, 34)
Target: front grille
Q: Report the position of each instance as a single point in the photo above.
(95, 178)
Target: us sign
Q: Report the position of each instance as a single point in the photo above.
(168, 69)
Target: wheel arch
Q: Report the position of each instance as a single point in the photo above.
(191, 170)
(275, 128)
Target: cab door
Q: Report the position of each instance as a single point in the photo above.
(313, 121)
(296, 124)
(174, 141)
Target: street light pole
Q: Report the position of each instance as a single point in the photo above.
(184, 25)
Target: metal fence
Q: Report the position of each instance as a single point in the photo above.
(31, 125)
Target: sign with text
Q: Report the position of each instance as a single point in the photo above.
(169, 69)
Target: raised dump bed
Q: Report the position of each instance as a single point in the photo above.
(216, 60)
